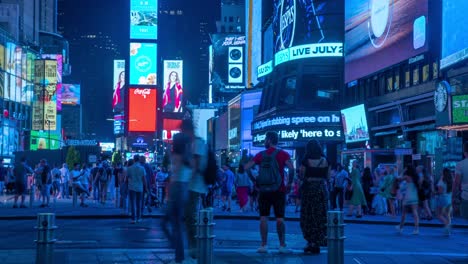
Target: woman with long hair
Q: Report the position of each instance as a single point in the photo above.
(117, 98)
(314, 174)
(357, 199)
(444, 201)
(243, 184)
(172, 97)
(410, 199)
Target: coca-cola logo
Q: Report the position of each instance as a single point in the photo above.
(142, 92)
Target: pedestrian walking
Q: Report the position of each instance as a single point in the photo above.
(386, 191)
(338, 187)
(44, 173)
(146, 199)
(56, 181)
(227, 186)
(460, 185)
(21, 172)
(178, 190)
(65, 173)
(197, 186)
(425, 191)
(410, 199)
(243, 185)
(3, 177)
(444, 200)
(136, 187)
(80, 178)
(95, 182)
(367, 184)
(103, 176)
(272, 187)
(313, 220)
(357, 199)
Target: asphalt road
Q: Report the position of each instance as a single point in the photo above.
(230, 235)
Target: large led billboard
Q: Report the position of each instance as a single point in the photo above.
(142, 110)
(380, 33)
(143, 63)
(170, 128)
(355, 124)
(454, 36)
(173, 86)
(307, 29)
(45, 104)
(118, 97)
(71, 94)
(144, 19)
(44, 140)
(228, 62)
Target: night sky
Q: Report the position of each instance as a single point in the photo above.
(92, 58)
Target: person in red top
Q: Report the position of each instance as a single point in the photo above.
(277, 199)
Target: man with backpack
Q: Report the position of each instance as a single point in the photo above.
(272, 189)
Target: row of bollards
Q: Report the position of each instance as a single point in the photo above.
(45, 238)
(335, 232)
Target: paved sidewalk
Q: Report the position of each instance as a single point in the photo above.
(64, 209)
(223, 256)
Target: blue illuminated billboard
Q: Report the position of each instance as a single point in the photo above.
(454, 36)
(144, 19)
(143, 63)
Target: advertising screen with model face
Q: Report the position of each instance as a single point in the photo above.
(380, 33)
(142, 110)
(454, 36)
(143, 63)
(355, 124)
(144, 19)
(118, 97)
(173, 86)
(71, 94)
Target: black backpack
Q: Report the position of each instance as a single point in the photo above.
(211, 169)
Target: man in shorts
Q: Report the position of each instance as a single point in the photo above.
(21, 178)
(277, 198)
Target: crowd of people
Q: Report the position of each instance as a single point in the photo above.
(267, 180)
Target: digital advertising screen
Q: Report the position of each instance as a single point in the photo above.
(228, 62)
(118, 97)
(221, 132)
(44, 140)
(460, 109)
(107, 146)
(234, 116)
(170, 128)
(380, 33)
(119, 124)
(454, 37)
(144, 19)
(307, 29)
(143, 63)
(71, 94)
(355, 124)
(297, 127)
(255, 41)
(142, 110)
(173, 86)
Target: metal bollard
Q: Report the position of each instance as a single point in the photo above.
(205, 236)
(75, 197)
(45, 238)
(336, 237)
(31, 195)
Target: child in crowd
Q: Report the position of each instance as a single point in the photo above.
(444, 201)
(410, 199)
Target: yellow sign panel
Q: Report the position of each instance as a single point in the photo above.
(2, 57)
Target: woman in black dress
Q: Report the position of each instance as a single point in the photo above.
(314, 174)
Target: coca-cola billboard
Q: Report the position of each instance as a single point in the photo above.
(142, 110)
